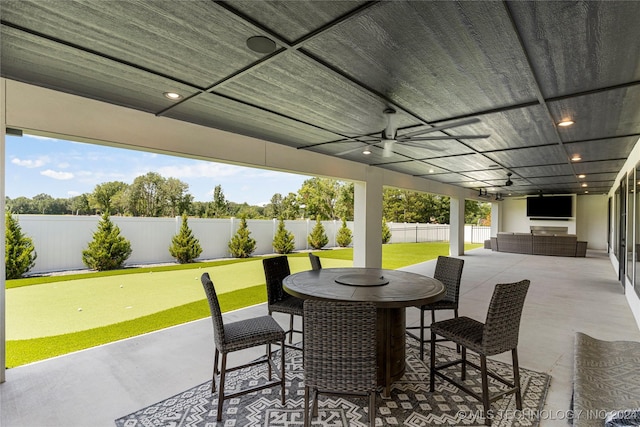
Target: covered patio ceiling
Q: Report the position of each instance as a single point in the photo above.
(334, 67)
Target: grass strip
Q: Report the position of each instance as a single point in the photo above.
(21, 352)
(37, 280)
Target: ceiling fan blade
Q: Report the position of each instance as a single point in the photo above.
(435, 138)
(342, 153)
(426, 147)
(441, 127)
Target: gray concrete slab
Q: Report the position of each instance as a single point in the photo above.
(95, 386)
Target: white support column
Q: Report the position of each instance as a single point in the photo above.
(3, 311)
(456, 225)
(367, 241)
(495, 218)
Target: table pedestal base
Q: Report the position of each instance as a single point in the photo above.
(391, 341)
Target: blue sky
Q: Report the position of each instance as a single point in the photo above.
(65, 169)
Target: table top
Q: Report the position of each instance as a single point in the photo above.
(385, 288)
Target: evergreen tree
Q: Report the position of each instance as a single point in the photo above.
(241, 244)
(184, 246)
(283, 241)
(20, 253)
(386, 232)
(344, 236)
(108, 250)
(318, 238)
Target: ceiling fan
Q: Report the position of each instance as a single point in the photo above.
(509, 183)
(389, 135)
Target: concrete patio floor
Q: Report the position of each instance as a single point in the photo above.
(98, 385)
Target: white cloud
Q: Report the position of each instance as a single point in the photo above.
(27, 163)
(63, 176)
(64, 165)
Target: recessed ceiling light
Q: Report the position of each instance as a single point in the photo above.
(366, 151)
(576, 158)
(586, 191)
(172, 96)
(431, 171)
(566, 122)
(585, 184)
(582, 176)
(261, 44)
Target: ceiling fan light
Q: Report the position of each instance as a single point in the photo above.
(174, 96)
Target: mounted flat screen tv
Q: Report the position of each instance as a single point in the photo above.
(550, 206)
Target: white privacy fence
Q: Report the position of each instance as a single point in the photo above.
(418, 233)
(60, 240)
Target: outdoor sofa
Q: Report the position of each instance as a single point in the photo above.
(539, 244)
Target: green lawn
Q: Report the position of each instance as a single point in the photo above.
(49, 316)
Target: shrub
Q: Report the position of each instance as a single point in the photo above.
(108, 250)
(241, 244)
(20, 253)
(386, 232)
(344, 235)
(184, 246)
(283, 241)
(317, 238)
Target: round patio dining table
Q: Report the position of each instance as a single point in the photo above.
(390, 290)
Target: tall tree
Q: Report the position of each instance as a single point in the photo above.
(79, 205)
(43, 203)
(290, 206)
(146, 195)
(320, 196)
(21, 205)
(344, 204)
(275, 207)
(104, 194)
(220, 207)
(177, 197)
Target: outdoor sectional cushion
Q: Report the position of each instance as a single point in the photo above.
(557, 245)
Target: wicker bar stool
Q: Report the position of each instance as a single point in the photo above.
(275, 270)
(449, 272)
(339, 352)
(315, 262)
(497, 335)
(234, 336)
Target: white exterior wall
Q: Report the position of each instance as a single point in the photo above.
(592, 220)
(514, 218)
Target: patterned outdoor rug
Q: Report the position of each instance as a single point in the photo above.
(410, 404)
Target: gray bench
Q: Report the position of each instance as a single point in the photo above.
(606, 378)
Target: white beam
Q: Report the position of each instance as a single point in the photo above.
(456, 225)
(3, 311)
